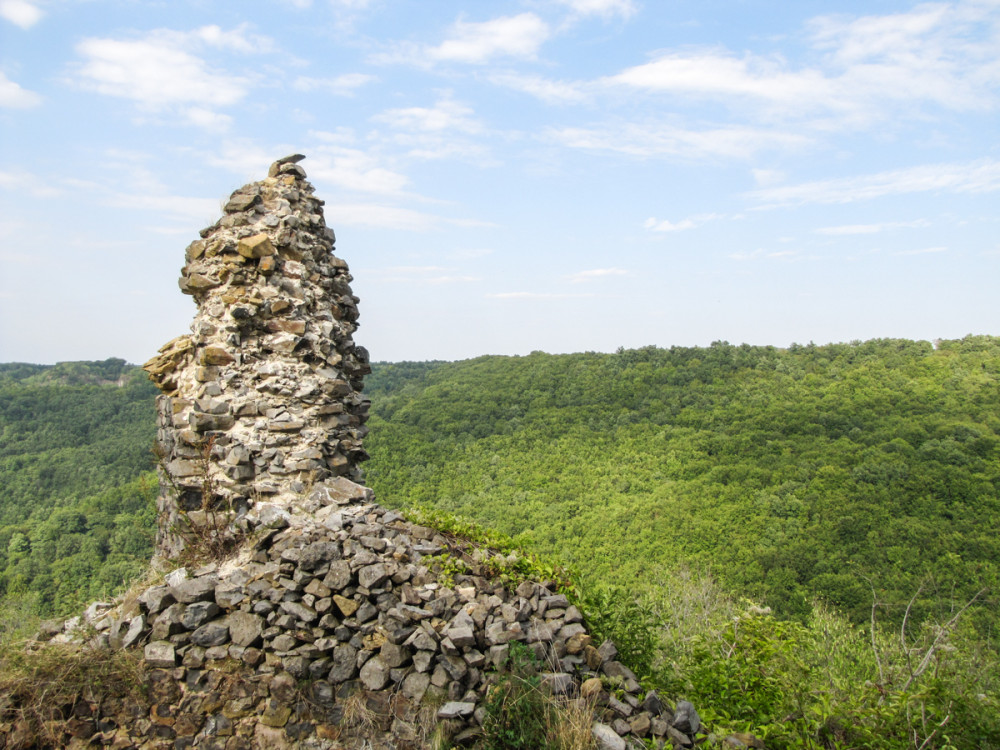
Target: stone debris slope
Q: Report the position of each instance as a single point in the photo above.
(350, 601)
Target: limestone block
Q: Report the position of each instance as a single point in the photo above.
(256, 246)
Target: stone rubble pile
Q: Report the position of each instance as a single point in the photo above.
(352, 599)
(262, 400)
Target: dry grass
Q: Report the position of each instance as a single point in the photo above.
(41, 687)
(570, 723)
(357, 714)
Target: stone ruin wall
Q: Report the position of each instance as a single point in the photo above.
(261, 408)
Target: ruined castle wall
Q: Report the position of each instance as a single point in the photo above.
(261, 403)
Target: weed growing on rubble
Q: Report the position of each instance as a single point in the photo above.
(499, 556)
(211, 536)
(43, 687)
(520, 712)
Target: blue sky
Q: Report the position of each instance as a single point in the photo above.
(503, 177)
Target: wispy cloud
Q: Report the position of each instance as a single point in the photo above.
(25, 182)
(437, 132)
(446, 114)
(848, 229)
(354, 169)
(478, 43)
(767, 177)
(595, 273)
(547, 90)
(534, 295)
(761, 254)
(922, 251)
(664, 225)
(20, 13)
(863, 70)
(510, 36)
(422, 275)
(656, 139)
(391, 217)
(605, 8)
(472, 253)
(971, 177)
(12, 96)
(162, 72)
(181, 207)
(382, 217)
(342, 85)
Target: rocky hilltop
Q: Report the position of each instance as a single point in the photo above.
(290, 609)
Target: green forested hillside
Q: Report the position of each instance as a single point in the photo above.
(814, 472)
(860, 478)
(76, 515)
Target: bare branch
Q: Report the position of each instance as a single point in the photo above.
(902, 629)
(878, 660)
(931, 735)
(943, 632)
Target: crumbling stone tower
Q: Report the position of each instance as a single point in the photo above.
(261, 409)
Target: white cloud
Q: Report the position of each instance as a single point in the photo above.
(391, 217)
(25, 182)
(849, 229)
(421, 275)
(595, 273)
(245, 158)
(239, 39)
(972, 177)
(656, 225)
(517, 36)
(655, 139)
(445, 115)
(354, 169)
(342, 85)
(471, 253)
(381, 217)
(534, 295)
(13, 96)
(922, 251)
(761, 254)
(162, 73)
(20, 13)
(863, 69)
(766, 177)
(551, 92)
(721, 75)
(154, 72)
(606, 8)
(207, 119)
(437, 132)
(180, 207)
